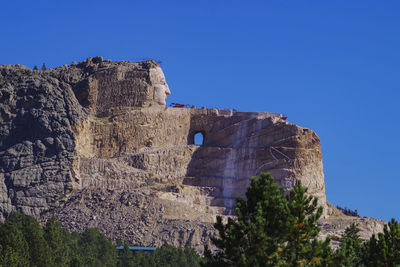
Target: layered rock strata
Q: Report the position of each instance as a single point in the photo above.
(93, 144)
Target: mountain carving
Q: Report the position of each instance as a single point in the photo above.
(94, 145)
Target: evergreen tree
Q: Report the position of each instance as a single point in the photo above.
(271, 229)
(254, 238)
(44, 67)
(95, 249)
(126, 257)
(192, 258)
(75, 257)
(39, 251)
(350, 251)
(384, 251)
(165, 256)
(170, 256)
(14, 249)
(57, 238)
(301, 228)
(35, 68)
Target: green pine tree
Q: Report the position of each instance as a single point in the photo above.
(75, 251)
(254, 239)
(384, 251)
(126, 257)
(14, 250)
(350, 251)
(271, 229)
(57, 238)
(95, 249)
(166, 255)
(39, 251)
(301, 228)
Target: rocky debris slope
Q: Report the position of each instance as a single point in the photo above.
(335, 224)
(93, 144)
(138, 216)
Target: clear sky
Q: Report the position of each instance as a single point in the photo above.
(332, 66)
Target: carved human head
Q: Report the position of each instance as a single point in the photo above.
(161, 89)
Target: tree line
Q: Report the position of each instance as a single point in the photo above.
(270, 229)
(23, 242)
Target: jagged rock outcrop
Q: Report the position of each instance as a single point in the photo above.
(37, 144)
(93, 144)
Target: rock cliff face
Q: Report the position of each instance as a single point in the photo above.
(37, 143)
(93, 144)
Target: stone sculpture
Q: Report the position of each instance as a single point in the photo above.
(93, 144)
(161, 89)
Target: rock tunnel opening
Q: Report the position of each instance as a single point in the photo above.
(199, 139)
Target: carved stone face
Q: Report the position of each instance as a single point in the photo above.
(161, 89)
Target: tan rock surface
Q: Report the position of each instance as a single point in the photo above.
(106, 153)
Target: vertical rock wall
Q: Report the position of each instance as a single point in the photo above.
(241, 145)
(100, 124)
(37, 145)
(93, 144)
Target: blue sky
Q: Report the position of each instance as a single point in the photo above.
(332, 66)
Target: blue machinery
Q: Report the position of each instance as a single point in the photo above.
(134, 249)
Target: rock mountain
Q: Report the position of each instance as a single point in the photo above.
(94, 145)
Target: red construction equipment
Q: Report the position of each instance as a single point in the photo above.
(177, 105)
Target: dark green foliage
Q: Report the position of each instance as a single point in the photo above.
(35, 68)
(126, 257)
(384, 251)
(44, 67)
(14, 250)
(39, 251)
(350, 251)
(271, 229)
(23, 242)
(165, 256)
(301, 227)
(255, 236)
(58, 240)
(75, 257)
(96, 249)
